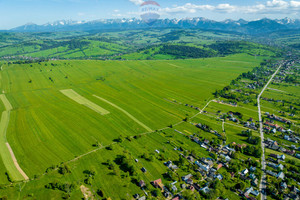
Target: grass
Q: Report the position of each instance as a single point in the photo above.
(46, 128)
(125, 112)
(6, 156)
(83, 101)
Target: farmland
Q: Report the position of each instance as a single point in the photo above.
(48, 128)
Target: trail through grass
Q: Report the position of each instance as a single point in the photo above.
(9, 160)
(125, 112)
(83, 101)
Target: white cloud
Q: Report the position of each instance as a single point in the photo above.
(270, 7)
(137, 2)
(295, 4)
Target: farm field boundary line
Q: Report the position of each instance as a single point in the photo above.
(6, 152)
(125, 112)
(83, 101)
(114, 143)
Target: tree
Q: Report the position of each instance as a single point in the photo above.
(181, 161)
(240, 185)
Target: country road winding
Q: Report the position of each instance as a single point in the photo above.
(263, 182)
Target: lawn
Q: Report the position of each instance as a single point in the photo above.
(47, 128)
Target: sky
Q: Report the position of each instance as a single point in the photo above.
(14, 13)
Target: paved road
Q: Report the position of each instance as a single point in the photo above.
(263, 182)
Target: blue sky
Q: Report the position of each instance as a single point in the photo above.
(18, 12)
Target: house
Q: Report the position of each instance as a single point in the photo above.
(280, 175)
(252, 169)
(274, 155)
(166, 194)
(283, 185)
(186, 177)
(191, 188)
(158, 184)
(205, 189)
(174, 188)
(281, 149)
(142, 183)
(189, 181)
(203, 146)
(206, 141)
(202, 166)
(219, 176)
(255, 192)
(244, 172)
(282, 157)
(286, 137)
(209, 162)
(271, 173)
(248, 191)
(290, 152)
(227, 158)
(197, 187)
(254, 182)
(190, 158)
(280, 166)
(274, 146)
(252, 176)
(176, 198)
(273, 165)
(219, 166)
(168, 164)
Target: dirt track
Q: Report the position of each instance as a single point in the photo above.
(7, 155)
(16, 162)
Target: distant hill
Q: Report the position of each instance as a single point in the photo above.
(253, 27)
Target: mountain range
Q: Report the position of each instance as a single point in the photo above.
(242, 26)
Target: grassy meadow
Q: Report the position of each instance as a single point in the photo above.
(47, 128)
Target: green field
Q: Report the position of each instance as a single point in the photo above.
(47, 128)
(83, 101)
(5, 151)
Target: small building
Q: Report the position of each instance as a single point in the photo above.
(174, 188)
(158, 184)
(252, 176)
(280, 166)
(219, 166)
(142, 183)
(205, 189)
(189, 181)
(244, 172)
(184, 178)
(252, 169)
(219, 176)
(254, 182)
(280, 175)
(283, 185)
(144, 169)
